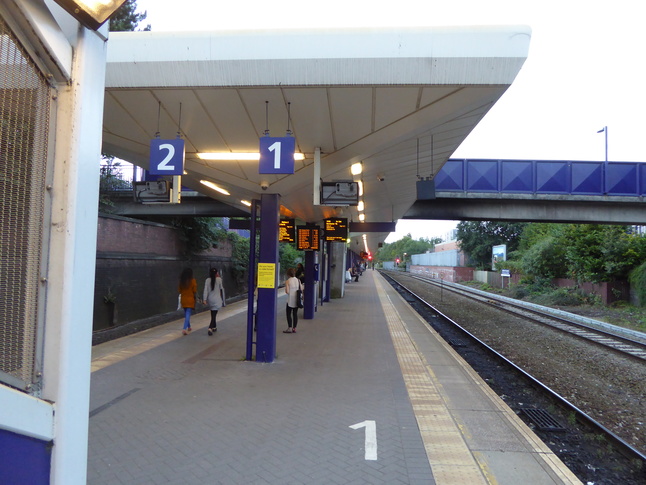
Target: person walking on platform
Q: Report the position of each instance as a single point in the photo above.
(213, 296)
(292, 287)
(188, 297)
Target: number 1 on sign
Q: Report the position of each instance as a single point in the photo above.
(371, 438)
(276, 149)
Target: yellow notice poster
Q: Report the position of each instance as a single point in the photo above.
(266, 275)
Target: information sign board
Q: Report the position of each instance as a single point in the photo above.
(166, 156)
(277, 155)
(307, 238)
(266, 275)
(287, 231)
(336, 229)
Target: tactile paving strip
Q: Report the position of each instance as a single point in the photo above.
(450, 459)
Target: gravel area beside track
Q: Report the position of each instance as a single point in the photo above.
(608, 387)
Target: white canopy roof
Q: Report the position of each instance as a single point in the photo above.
(370, 95)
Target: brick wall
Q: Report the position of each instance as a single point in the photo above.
(140, 263)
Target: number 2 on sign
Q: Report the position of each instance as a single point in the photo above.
(371, 438)
(276, 149)
(163, 165)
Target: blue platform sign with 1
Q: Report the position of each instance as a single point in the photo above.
(277, 155)
(166, 156)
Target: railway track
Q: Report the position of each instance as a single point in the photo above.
(590, 424)
(632, 347)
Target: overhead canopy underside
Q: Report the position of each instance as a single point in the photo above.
(399, 100)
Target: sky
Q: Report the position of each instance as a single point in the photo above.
(584, 71)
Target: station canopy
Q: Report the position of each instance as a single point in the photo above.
(398, 100)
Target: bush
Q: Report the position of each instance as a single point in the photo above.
(637, 280)
(562, 297)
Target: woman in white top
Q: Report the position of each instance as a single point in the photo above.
(292, 285)
(213, 296)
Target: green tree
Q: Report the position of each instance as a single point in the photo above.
(200, 233)
(599, 253)
(288, 256)
(407, 245)
(477, 238)
(126, 18)
(541, 252)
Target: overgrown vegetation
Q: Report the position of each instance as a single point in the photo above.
(406, 245)
(637, 280)
(477, 238)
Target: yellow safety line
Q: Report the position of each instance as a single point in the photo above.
(448, 454)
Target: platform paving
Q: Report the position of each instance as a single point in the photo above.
(168, 409)
(190, 410)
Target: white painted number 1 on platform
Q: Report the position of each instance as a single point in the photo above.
(371, 438)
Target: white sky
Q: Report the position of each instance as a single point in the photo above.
(584, 71)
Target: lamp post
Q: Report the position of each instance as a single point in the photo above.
(405, 254)
(604, 130)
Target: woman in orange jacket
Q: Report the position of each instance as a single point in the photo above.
(188, 297)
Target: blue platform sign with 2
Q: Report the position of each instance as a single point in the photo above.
(167, 157)
(277, 155)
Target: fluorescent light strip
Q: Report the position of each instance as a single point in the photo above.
(231, 156)
(211, 185)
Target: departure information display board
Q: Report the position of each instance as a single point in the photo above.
(287, 231)
(336, 229)
(307, 238)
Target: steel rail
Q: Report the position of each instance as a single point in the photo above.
(625, 346)
(623, 447)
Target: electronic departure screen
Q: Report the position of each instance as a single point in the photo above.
(336, 229)
(287, 231)
(307, 238)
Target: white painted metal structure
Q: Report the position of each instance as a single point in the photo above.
(357, 95)
(73, 59)
(363, 95)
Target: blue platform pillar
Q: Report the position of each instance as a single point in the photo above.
(311, 278)
(267, 297)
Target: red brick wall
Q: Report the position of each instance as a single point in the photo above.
(140, 263)
(117, 234)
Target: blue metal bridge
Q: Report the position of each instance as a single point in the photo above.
(537, 190)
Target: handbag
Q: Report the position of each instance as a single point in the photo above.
(299, 298)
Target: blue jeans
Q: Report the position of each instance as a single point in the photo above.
(187, 318)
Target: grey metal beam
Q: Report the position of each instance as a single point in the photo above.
(530, 208)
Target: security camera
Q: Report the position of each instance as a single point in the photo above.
(264, 185)
(381, 178)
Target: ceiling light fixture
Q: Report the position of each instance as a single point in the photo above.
(91, 13)
(356, 168)
(246, 202)
(236, 156)
(360, 206)
(362, 217)
(360, 182)
(211, 185)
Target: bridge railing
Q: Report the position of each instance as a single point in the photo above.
(543, 177)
